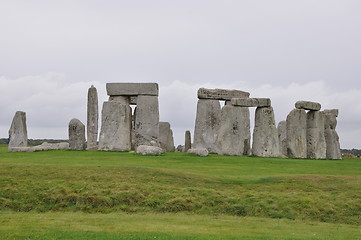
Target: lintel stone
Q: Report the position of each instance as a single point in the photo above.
(132, 89)
(308, 105)
(221, 94)
(251, 102)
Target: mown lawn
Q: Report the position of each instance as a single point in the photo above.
(112, 195)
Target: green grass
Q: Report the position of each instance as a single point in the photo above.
(62, 187)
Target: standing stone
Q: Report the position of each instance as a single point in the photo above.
(146, 124)
(234, 133)
(116, 126)
(166, 141)
(207, 124)
(187, 141)
(296, 134)
(282, 137)
(92, 119)
(316, 142)
(76, 135)
(18, 132)
(333, 150)
(265, 134)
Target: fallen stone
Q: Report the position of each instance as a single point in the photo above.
(43, 147)
(187, 141)
(92, 118)
(18, 133)
(296, 134)
(146, 122)
(207, 124)
(76, 135)
(166, 140)
(265, 134)
(132, 89)
(234, 133)
(202, 152)
(251, 102)
(333, 150)
(149, 150)
(308, 105)
(116, 126)
(316, 142)
(282, 137)
(221, 94)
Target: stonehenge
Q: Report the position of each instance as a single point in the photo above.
(18, 132)
(332, 140)
(92, 118)
(187, 141)
(166, 140)
(296, 133)
(76, 135)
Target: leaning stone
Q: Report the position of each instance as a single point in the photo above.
(296, 134)
(251, 102)
(316, 142)
(187, 141)
(333, 150)
(132, 89)
(221, 94)
(202, 152)
(116, 126)
(265, 134)
(149, 150)
(76, 135)
(18, 133)
(308, 105)
(146, 123)
(282, 137)
(207, 124)
(234, 133)
(92, 118)
(166, 141)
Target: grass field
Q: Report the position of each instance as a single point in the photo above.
(112, 195)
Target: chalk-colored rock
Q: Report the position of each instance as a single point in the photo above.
(296, 134)
(251, 102)
(333, 150)
(18, 133)
(43, 147)
(92, 118)
(265, 134)
(116, 126)
(76, 135)
(308, 105)
(282, 137)
(149, 150)
(234, 133)
(132, 89)
(166, 140)
(316, 142)
(146, 123)
(187, 141)
(207, 124)
(202, 152)
(221, 94)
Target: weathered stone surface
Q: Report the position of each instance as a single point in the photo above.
(296, 134)
(187, 141)
(202, 152)
(149, 150)
(282, 137)
(43, 147)
(221, 94)
(132, 89)
(308, 105)
(234, 133)
(92, 118)
(207, 124)
(146, 123)
(76, 135)
(18, 132)
(166, 140)
(265, 134)
(316, 142)
(251, 102)
(116, 126)
(333, 150)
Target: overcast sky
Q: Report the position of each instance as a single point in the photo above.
(51, 52)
